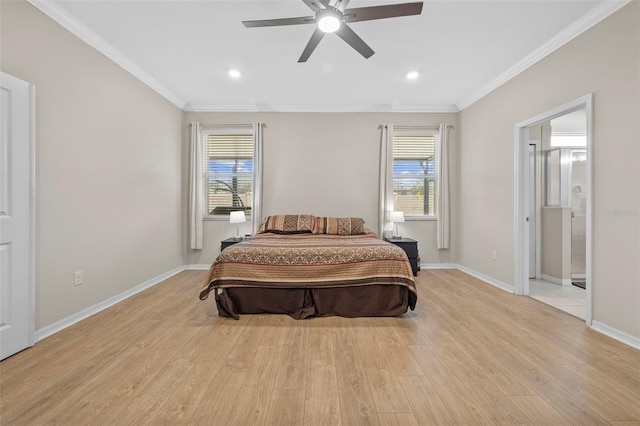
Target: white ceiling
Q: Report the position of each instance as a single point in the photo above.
(462, 49)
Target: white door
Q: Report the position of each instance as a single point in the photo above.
(16, 215)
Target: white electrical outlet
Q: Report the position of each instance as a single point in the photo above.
(77, 278)
(494, 255)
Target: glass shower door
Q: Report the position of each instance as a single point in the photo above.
(579, 214)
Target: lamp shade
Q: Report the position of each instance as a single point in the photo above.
(237, 217)
(396, 217)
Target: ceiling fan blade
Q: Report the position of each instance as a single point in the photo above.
(347, 34)
(317, 5)
(342, 4)
(311, 45)
(278, 22)
(380, 12)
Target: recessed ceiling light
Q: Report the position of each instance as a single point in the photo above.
(233, 73)
(412, 75)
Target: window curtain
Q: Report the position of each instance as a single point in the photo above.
(442, 190)
(256, 207)
(196, 192)
(386, 177)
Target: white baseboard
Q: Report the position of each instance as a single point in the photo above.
(92, 310)
(556, 280)
(486, 278)
(199, 267)
(47, 331)
(476, 274)
(616, 334)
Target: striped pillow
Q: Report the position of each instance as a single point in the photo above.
(288, 224)
(338, 226)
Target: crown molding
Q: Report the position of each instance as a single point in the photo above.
(53, 10)
(322, 108)
(591, 18)
(224, 108)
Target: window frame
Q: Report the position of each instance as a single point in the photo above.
(418, 131)
(227, 130)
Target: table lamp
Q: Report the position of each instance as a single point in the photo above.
(237, 218)
(396, 217)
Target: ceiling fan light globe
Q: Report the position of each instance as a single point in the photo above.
(329, 24)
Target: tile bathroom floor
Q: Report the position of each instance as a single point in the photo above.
(568, 298)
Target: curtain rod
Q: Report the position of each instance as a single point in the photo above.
(227, 125)
(432, 127)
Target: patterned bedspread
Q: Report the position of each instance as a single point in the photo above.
(310, 261)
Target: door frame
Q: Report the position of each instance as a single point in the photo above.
(521, 188)
(32, 214)
(537, 189)
(31, 142)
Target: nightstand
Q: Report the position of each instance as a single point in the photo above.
(228, 242)
(411, 248)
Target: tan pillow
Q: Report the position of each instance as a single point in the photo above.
(287, 224)
(338, 226)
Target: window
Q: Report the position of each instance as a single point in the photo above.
(229, 170)
(414, 173)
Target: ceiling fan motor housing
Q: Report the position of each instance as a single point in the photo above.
(329, 20)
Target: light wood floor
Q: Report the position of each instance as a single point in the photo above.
(469, 354)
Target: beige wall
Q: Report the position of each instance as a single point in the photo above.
(325, 164)
(604, 61)
(108, 182)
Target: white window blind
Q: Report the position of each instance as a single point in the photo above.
(414, 174)
(229, 162)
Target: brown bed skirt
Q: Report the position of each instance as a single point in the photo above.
(301, 303)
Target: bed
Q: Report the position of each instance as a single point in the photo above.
(307, 267)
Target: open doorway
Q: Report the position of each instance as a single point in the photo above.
(553, 215)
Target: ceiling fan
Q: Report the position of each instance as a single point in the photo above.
(334, 18)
